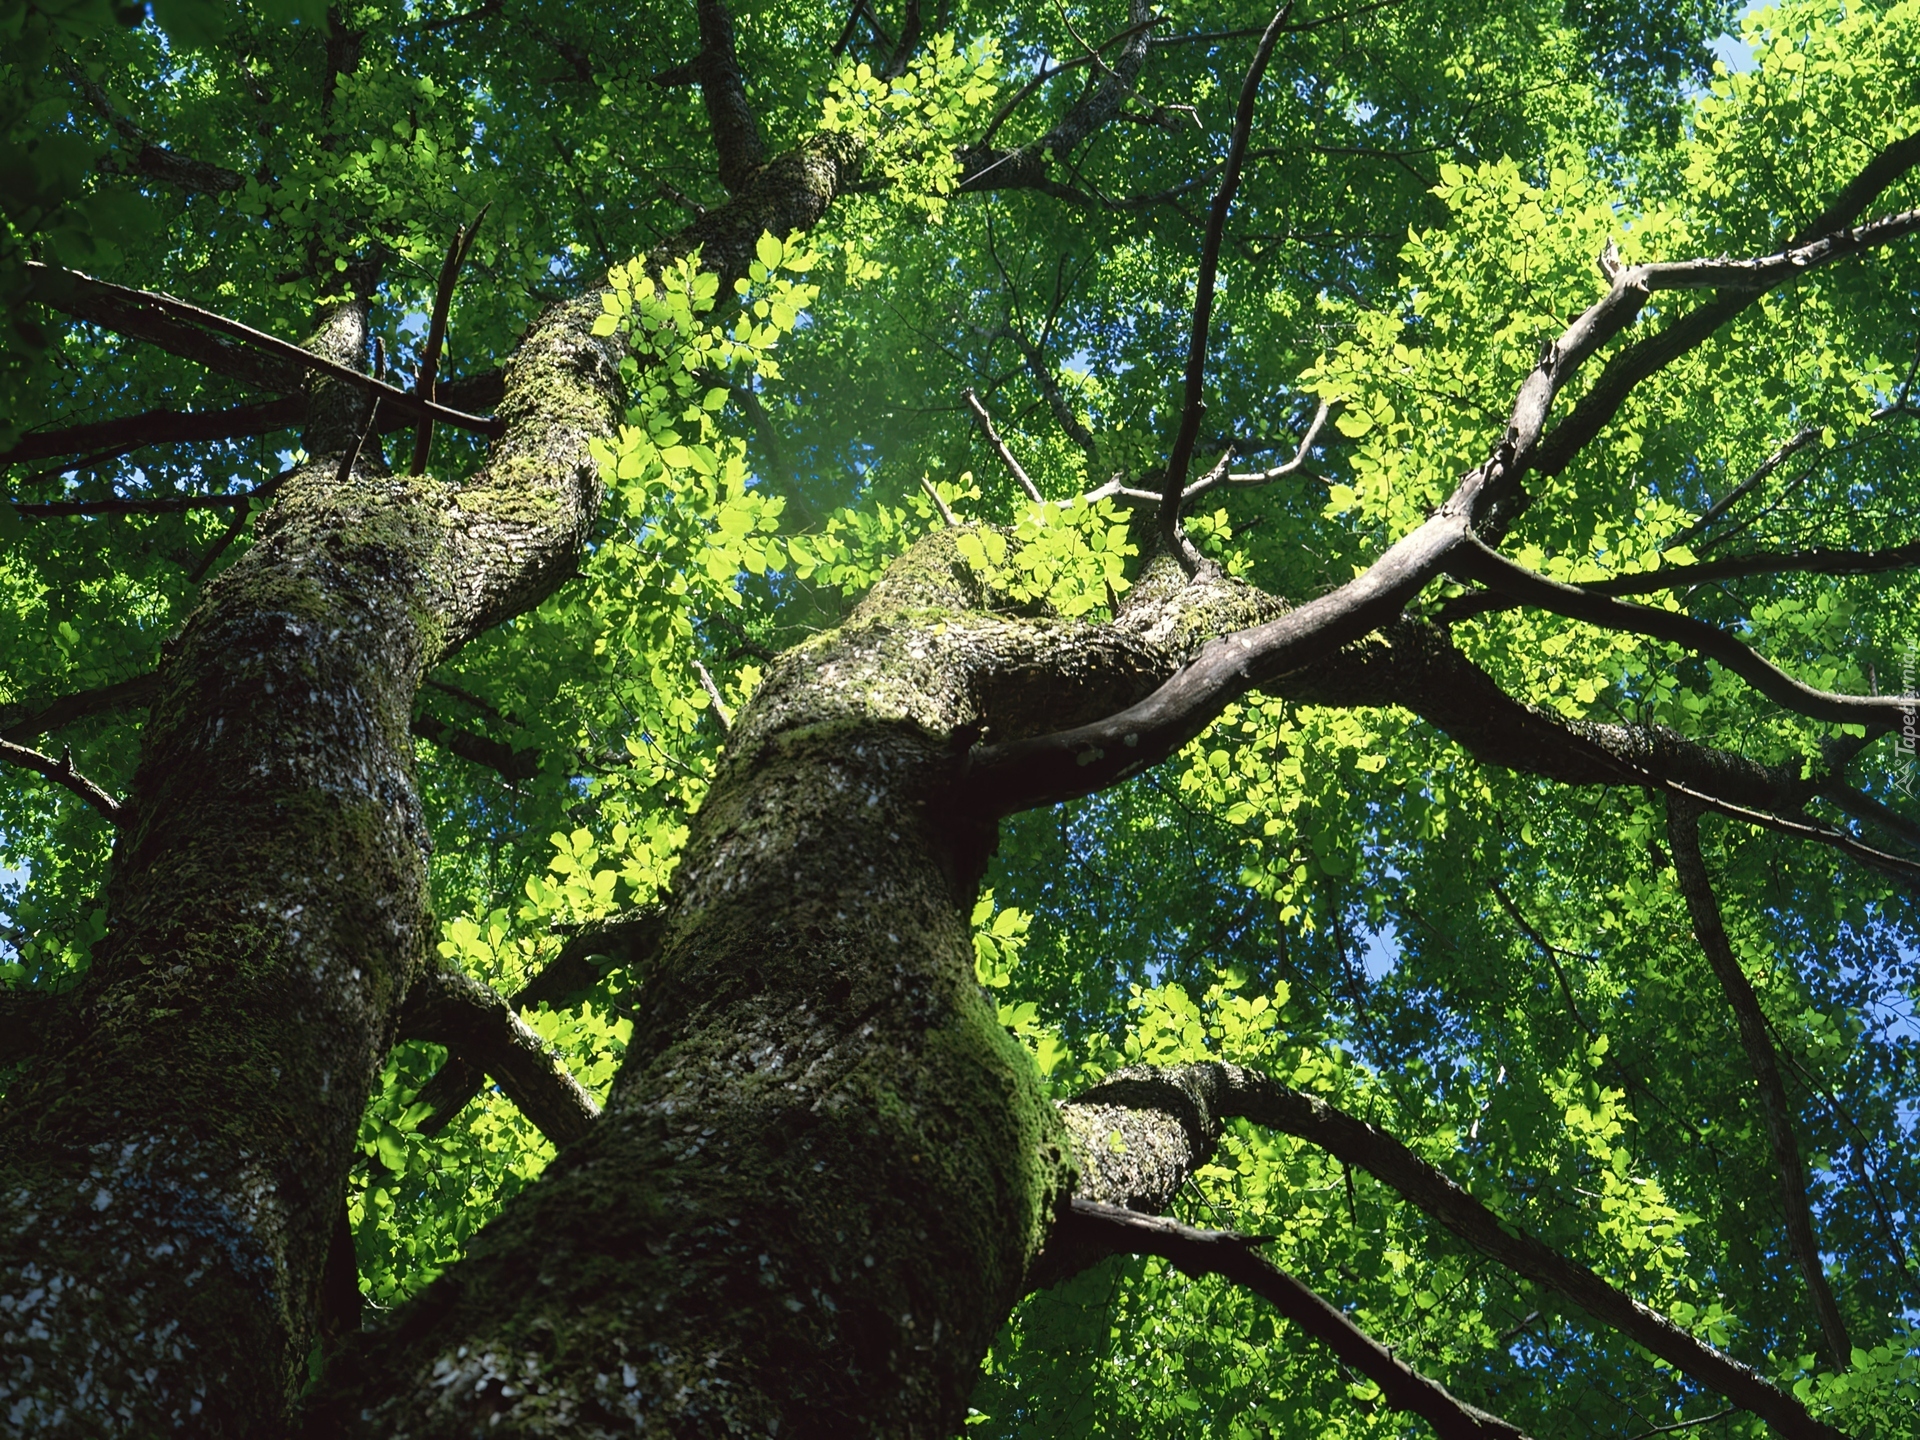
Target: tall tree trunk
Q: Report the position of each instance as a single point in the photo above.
(825, 1165)
(173, 1161)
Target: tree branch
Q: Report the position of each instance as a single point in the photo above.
(160, 427)
(1093, 1228)
(985, 422)
(1193, 404)
(1263, 477)
(156, 162)
(81, 705)
(437, 335)
(1169, 1121)
(145, 505)
(1734, 567)
(183, 330)
(1628, 369)
(512, 765)
(1474, 560)
(1772, 463)
(1696, 886)
(469, 1018)
(61, 772)
(600, 947)
(723, 91)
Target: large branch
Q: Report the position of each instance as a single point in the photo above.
(1683, 838)
(1090, 1227)
(1476, 561)
(1002, 779)
(983, 167)
(723, 90)
(1168, 1121)
(1707, 572)
(160, 427)
(583, 962)
(468, 1017)
(1627, 370)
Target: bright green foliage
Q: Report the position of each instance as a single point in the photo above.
(912, 123)
(1494, 967)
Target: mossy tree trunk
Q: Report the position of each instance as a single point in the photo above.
(174, 1157)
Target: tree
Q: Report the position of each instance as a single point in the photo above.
(1030, 683)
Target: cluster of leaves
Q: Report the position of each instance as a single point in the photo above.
(909, 125)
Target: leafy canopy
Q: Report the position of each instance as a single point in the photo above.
(1495, 968)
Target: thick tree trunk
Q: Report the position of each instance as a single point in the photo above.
(825, 1166)
(174, 1161)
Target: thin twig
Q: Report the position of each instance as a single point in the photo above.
(1686, 1424)
(999, 445)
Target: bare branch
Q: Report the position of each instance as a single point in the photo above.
(1683, 838)
(512, 765)
(946, 511)
(1628, 369)
(1870, 811)
(1772, 463)
(1263, 477)
(720, 710)
(146, 505)
(155, 162)
(1172, 1120)
(468, 1017)
(1684, 1425)
(1095, 1228)
(600, 947)
(61, 772)
(436, 336)
(999, 446)
(1193, 405)
(156, 427)
(1047, 72)
(1478, 562)
(220, 546)
(149, 316)
(1019, 774)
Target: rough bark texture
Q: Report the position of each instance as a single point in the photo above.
(173, 1165)
(824, 1166)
